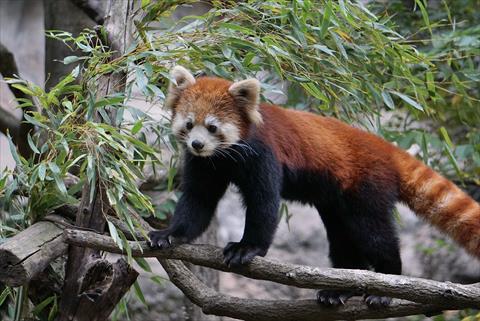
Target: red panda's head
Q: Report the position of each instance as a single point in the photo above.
(211, 114)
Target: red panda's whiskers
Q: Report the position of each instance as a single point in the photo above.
(236, 151)
(222, 153)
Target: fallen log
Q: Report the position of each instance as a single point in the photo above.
(29, 252)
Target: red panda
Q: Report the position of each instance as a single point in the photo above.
(352, 177)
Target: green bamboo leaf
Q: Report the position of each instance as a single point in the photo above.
(114, 234)
(314, 91)
(70, 59)
(452, 159)
(23, 89)
(408, 100)
(54, 168)
(445, 136)
(139, 293)
(60, 184)
(424, 12)
(13, 151)
(34, 121)
(158, 279)
(424, 145)
(42, 305)
(387, 99)
(430, 82)
(53, 310)
(143, 264)
(325, 49)
(109, 101)
(42, 170)
(111, 197)
(236, 27)
(32, 144)
(326, 19)
(3, 296)
(141, 79)
(137, 126)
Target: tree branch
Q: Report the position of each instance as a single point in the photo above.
(431, 293)
(215, 303)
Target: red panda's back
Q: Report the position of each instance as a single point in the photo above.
(303, 140)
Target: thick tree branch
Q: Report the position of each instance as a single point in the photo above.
(440, 294)
(215, 303)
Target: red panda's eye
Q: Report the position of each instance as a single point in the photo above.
(212, 128)
(189, 125)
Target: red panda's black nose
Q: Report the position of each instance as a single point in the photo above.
(197, 145)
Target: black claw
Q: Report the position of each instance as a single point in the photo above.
(238, 253)
(333, 297)
(375, 301)
(159, 239)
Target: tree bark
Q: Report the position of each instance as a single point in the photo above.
(215, 303)
(27, 254)
(431, 296)
(93, 285)
(209, 277)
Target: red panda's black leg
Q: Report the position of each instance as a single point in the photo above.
(371, 226)
(202, 189)
(343, 253)
(259, 183)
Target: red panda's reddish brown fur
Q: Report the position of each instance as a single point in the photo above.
(304, 140)
(439, 201)
(307, 141)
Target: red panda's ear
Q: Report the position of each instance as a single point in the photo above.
(181, 79)
(247, 95)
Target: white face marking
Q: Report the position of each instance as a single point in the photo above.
(200, 133)
(178, 124)
(211, 120)
(230, 132)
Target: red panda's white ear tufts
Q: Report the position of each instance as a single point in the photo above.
(181, 79)
(247, 94)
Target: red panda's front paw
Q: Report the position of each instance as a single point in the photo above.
(239, 253)
(375, 301)
(333, 297)
(159, 239)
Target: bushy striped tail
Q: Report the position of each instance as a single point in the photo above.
(440, 201)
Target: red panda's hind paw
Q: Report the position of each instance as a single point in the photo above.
(239, 253)
(159, 240)
(375, 301)
(333, 297)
